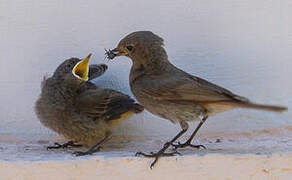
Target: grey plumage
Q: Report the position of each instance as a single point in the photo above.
(78, 109)
(96, 70)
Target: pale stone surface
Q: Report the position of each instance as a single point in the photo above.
(257, 155)
(212, 166)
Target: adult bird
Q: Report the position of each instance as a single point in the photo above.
(171, 93)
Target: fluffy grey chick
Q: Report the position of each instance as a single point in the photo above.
(79, 110)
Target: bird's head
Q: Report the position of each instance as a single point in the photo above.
(73, 68)
(139, 46)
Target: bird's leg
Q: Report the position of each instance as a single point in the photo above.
(162, 152)
(95, 148)
(188, 142)
(65, 145)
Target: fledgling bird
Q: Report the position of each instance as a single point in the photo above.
(171, 93)
(79, 110)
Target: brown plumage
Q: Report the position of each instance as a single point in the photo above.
(171, 93)
(79, 110)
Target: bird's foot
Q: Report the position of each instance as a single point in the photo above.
(152, 154)
(158, 154)
(63, 146)
(89, 152)
(187, 144)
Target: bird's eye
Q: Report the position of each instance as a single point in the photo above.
(129, 48)
(68, 66)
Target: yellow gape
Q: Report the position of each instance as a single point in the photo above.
(81, 69)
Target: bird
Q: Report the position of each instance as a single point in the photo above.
(171, 93)
(76, 108)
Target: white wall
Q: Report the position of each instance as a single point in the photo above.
(243, 45)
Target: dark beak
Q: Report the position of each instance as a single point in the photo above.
(111, 54)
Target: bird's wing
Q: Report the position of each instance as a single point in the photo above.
(105, 103)
(185, 87)
(96, 70)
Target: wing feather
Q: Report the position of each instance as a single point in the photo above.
(104, 104)
(185, 87)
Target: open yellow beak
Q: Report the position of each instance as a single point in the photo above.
(81, 69)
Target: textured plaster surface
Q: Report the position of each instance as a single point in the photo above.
(258, 155)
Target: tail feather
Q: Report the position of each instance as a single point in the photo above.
(260, 106)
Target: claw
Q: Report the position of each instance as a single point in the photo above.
(65, 145)
(161, 152)
(198, 146)
(139, 153)
(89, 152)
(178, 153)
(56, 146)
(172, 153)
(157, 155)
(180, 145)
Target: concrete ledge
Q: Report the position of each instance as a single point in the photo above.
(257, 155)
(212, 166)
